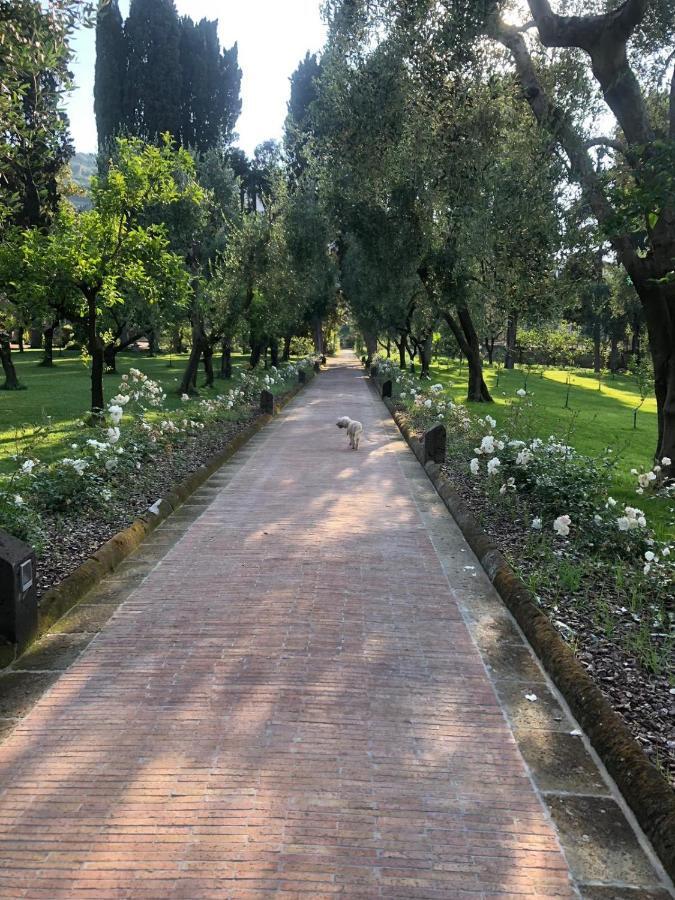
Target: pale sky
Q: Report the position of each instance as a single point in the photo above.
(273, 36)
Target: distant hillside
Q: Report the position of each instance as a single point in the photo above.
(83, 166)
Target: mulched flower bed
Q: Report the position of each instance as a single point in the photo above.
(644, 699)
(70, 540)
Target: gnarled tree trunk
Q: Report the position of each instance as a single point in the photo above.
(511, 339)
(257, 350)
(317, 333)
(425, 355)
(286, 355)
(95, 347)
(188, 383)
(11, 379)
(370, 340)
(207, 353)
(48, 359)
(401, 344)
(226, 358)
(467, 338)
(274, 352)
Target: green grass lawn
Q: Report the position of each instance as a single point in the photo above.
(63, 393)
(595, 420)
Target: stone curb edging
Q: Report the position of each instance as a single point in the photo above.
(59, 599)
(646, 791)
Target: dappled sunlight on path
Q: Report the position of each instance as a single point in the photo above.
(290, 703)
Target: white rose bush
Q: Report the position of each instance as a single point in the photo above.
(559, 503)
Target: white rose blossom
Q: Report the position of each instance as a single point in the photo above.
(115, 412)
(487, 445)
(561, 525)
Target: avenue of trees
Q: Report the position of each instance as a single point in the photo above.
(459, 157)
(441, 174)
(187, 241)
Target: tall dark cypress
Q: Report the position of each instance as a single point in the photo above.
(110, 72)
(153, 85)
(211, 87)
(159, 73)
(229, 92)
(299, 127)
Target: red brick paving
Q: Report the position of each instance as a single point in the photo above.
(290, 704)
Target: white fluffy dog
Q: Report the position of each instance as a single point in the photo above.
(354, 430)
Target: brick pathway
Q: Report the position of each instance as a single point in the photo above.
(290, 703)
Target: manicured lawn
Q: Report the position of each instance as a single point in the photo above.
(62, 393)
(595, 420)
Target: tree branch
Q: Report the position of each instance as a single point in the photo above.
(555, 121)
(586, 31)
(604, 38)
(619, 146)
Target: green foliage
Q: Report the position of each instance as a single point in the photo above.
(96, 259)
(34, 143)
(20, 518)
(109, 75)
(159, 73)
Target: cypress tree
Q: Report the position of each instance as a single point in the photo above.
(159, 73)
(211, 85)
(153, 89)
(229, 92)
(299, 127)
(110, 72)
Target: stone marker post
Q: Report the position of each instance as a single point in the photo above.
(302, 376)
(373, 370)
(386, 388)
(267, 402)
(317, 366)
(18, 597)
(434, 444)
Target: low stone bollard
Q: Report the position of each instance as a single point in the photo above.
(434, 441)
(317, 366)
(302, 376)
(373, 371)
(267, 403)
(386, 388)
(18, 598)
(323, 360)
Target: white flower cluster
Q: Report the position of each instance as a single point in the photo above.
(78, 464)
(631, 519)
(561, 525)
(654, 478)
(138, 387)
